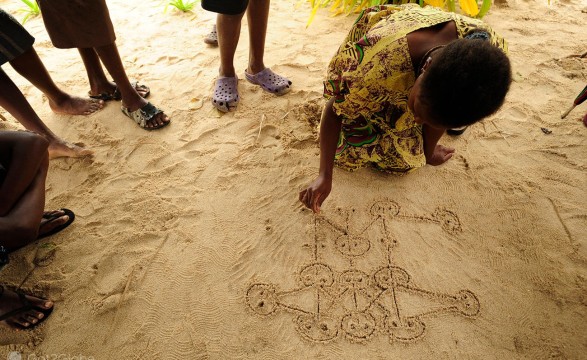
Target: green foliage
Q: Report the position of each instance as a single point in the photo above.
(31, 9)
(182, 5)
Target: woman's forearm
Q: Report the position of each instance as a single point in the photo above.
(330, 126)
(431, 136)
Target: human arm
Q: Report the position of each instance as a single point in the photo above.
(21, 153)
(315, 194)
(435, 153)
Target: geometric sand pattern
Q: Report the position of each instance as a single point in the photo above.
(341, 294)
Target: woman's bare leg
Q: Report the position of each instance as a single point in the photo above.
(20, 225)
(229, 29)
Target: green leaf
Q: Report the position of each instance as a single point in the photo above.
(485, 6)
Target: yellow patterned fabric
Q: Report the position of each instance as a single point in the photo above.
(370, 78)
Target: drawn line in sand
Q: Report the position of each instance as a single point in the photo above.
(355, 303)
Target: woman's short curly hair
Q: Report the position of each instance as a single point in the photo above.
(466, 82)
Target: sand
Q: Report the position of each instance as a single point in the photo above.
(190, 243)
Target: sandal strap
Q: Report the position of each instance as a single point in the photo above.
(143, 115)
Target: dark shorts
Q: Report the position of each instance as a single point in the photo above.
(14, 39)
(77, 23)
(227, 7)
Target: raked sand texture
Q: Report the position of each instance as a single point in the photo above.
(190, 243)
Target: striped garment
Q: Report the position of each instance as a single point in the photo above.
(14, 39)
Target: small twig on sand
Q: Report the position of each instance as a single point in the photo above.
(260, 127)
(581, 56)
(2, 118)
(500, 133)
(284, 116)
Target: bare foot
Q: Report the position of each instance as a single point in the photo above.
(38, 310)
(73, 105)
(60, 148)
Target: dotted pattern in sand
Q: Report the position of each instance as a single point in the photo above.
(353, 303)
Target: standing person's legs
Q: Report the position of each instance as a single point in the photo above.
(15, 103)
(257, 73)
(100, 86)
(130, 97)
(257, 16)
(225, 97)
(98, 81)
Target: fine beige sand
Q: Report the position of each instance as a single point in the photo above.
(190, 243)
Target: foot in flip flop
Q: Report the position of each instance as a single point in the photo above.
(212, 37)
(270, 81)
(225, 97)
(51, 223)
(109, 91)
(54, 221)
(73, 105)
(23, 311)
(146, 115)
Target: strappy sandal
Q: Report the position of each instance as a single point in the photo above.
(26, 306)
(49, 216)
(117, 96)
(145, 114)
(212, 37)
(270, 81)
(225, 96)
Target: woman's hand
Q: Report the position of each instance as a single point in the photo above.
(316, 193)
(440, 155)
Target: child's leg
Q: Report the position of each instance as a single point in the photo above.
(21, 154)
(20, 225)
(257, 15)
(15, 103)
(98, 81)
(229, 29)
(30, 66)
(130, 97)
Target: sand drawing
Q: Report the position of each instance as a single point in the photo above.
(352, 288)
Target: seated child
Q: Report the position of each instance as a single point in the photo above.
(402, 77)
(24, 161)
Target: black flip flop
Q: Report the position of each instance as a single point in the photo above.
(57, 229)
(26, 306)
